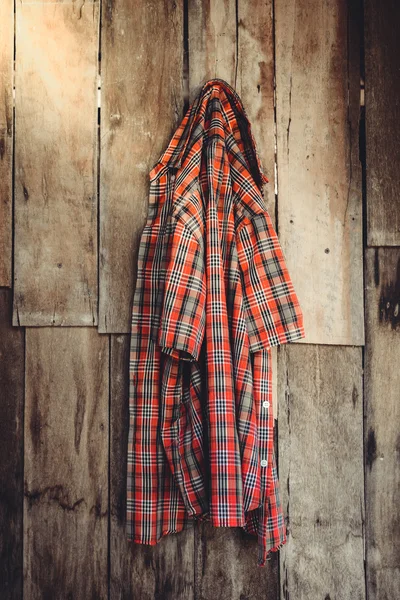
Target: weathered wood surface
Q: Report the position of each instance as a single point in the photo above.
(142, 104)
(66, 463)
(382, 410)
(166, 570)
(55, 274)
(226, 566)
(254, 82)
(6, 136)
(11, 450)
(213, 50)
(319, 185)
(234, 42)
(73, 546)
(320, 469)
(382, 116)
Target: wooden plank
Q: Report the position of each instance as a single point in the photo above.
(382, 409)
(234, 41)
(255, 83)
(66, 463)
(165, 570)
(6, 137)
(321, 471)
(226, 566)
(55, 274)
(142, 104)
(319, 178)
(11, 450)
(212, 32)
(382, 116)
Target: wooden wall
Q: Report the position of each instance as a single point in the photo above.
(91, 92)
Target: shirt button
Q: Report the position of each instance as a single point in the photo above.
(265, 404)
(264, 463)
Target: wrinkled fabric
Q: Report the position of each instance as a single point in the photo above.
(213, 295)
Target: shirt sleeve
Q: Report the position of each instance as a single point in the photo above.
(182, 313)
(273, 312)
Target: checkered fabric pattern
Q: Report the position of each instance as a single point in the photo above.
(213, 296)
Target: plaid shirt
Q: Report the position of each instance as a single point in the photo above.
(213, 295)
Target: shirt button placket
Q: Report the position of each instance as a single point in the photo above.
(265, 404)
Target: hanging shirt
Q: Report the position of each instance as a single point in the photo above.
(213, 295)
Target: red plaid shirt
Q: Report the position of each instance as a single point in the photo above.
(213, 295)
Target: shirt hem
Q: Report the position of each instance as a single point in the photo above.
(263, 561)
(206, 517)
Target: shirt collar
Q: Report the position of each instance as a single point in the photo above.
(173, 156)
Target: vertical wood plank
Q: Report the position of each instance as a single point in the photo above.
(11, 450)
(319, 177)
(142, 104)
(6, 136)
(66, 463)
(55, 280)
(234, 41)
(255, 82)
(226, 566)
(382, 116)
(382, 408)
(321, 470)
(212, 32)
(165, 570)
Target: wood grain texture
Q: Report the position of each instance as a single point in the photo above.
(319, 178)
(382, 116)
(255, 82)
(63, 523)
(12, 341)
(213, 49)
(142, 104)
(382, 410)
(66, 463)
(320, 469)
(55, 274)
(6, 137)
(165, 570)
(226, 566)
(234, 41)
